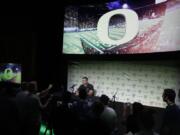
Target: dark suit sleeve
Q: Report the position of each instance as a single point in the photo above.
(80, 87)
(91, 87)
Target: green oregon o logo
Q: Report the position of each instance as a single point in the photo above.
(8, 74)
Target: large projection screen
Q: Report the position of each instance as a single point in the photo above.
(146, 27)
(132, 81)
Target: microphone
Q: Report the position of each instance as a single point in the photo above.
(73, 86)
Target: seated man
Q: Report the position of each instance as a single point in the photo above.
(87, 86)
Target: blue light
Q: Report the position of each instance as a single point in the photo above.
(113, 5)
(125, 5)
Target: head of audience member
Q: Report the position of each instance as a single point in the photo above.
(31, 87)
(169, 96)
(8, 88)
(66, 97)
(104, 99)
(137, 108)
(56, 87)
(179, 94)
(82, 94)
(24, 86)
(85, 80)
(97, 108)
(27, 86)
(146, 120)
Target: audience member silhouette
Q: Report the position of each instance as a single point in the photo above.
(82, 109)
(132, 120)
(146, 123)
(171, 119)
(9, 117)
(29, 106)
(95, 123)
(63, 116)
(108, 116)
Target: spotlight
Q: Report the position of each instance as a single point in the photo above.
(125, 5)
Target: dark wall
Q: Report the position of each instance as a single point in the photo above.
(32, 42)
(50, 65)
(17, 42)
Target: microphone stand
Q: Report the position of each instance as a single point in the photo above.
(114, 98)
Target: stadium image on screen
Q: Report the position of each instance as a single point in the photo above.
(10, 73)
(158, 28)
